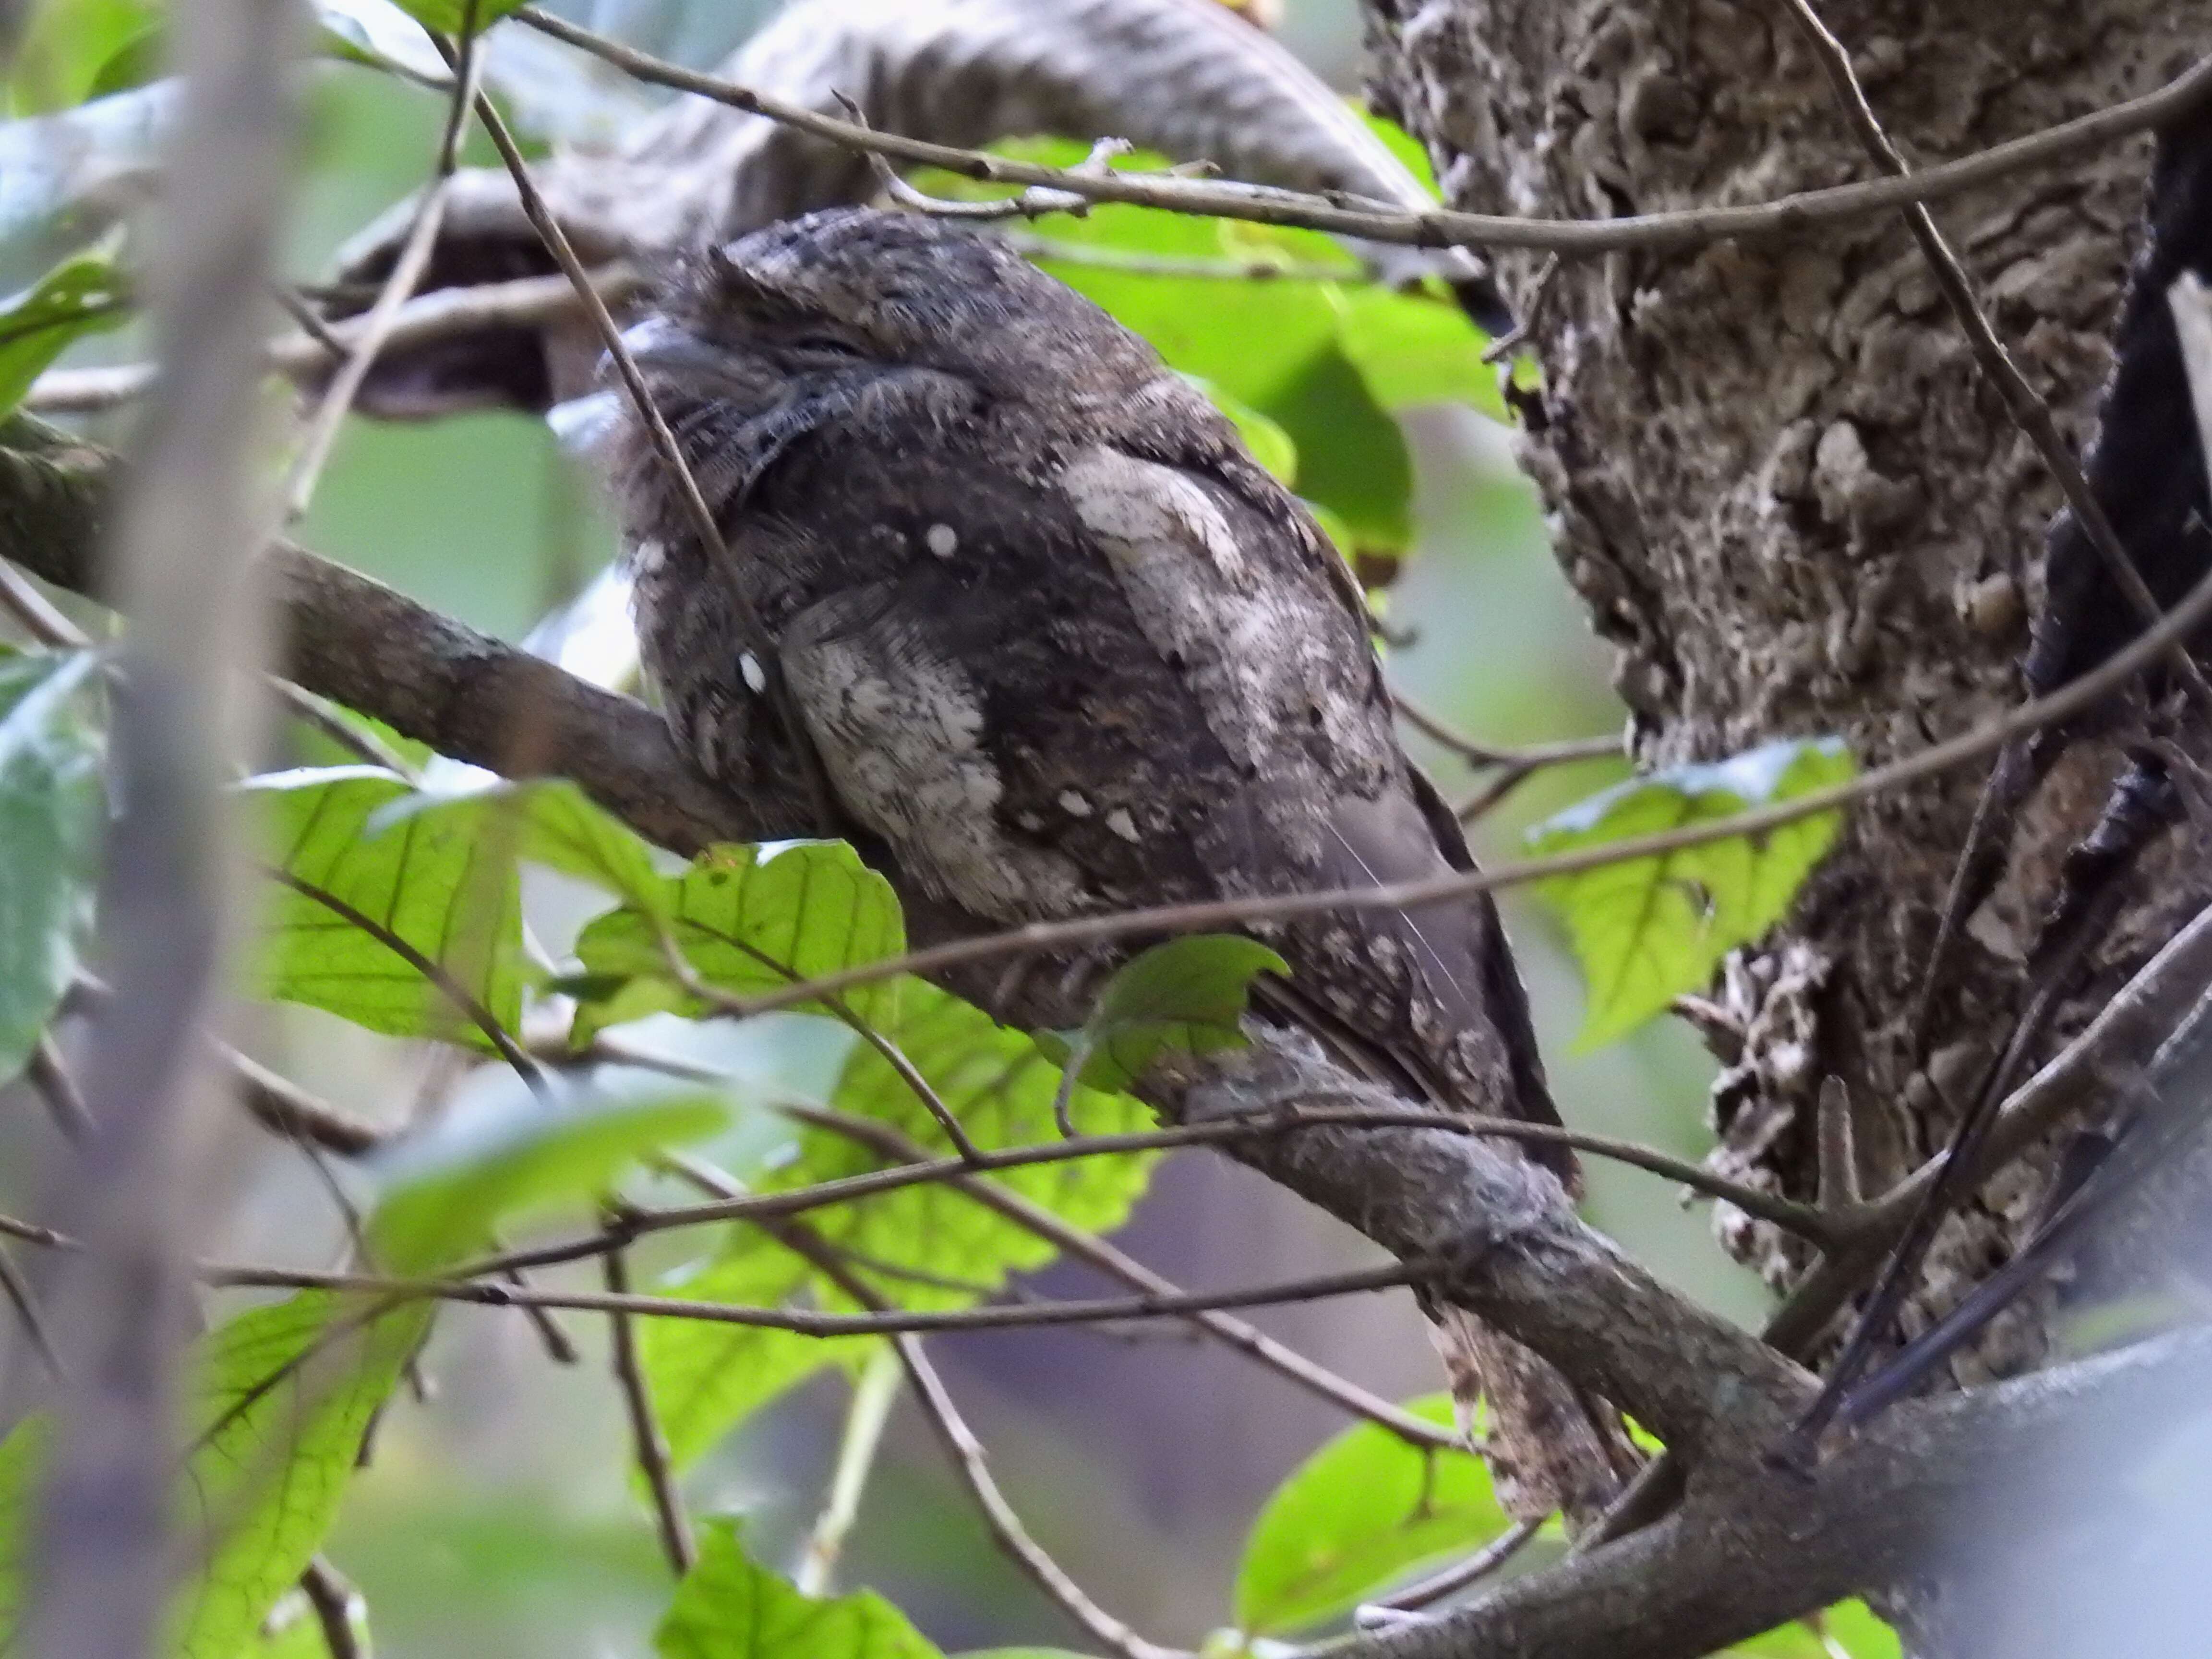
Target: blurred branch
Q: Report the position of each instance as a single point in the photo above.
(875, 1391)
(183, 562)
(448, 313)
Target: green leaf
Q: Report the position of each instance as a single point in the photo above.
(728, 1609)
(50, 821)
(436, 872)
(83, 294)
(749, 920)
(706, 1378)
(515, 1155)
(451, 16)
(1647, 930)
(291, 1388)
(380, 34)
(287, 1393)
(1414, 349)
(69, 53)
(1360, 1514)
(1187, 993)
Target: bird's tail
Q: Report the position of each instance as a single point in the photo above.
(1549, 1448)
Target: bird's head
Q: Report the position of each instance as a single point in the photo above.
(833, 303)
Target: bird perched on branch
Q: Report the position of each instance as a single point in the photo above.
(1062, 648)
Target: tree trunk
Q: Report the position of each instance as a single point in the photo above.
(1788, 497)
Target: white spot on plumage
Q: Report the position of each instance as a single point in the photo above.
(1122, 824)
(756, 675)
(1074, 803)
(942, 539)
(649, 555)
(901, 730)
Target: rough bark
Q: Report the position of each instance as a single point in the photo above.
(1784, 493)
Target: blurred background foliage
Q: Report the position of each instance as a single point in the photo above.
(497, 1517)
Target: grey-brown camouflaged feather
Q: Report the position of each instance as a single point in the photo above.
(1061, 646)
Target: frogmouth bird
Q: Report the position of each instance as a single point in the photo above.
(1059, 647)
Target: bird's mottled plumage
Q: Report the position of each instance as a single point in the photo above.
(1061, 646)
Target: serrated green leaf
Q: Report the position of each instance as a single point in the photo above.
(706, 1378)
(728, 1609)
(1360, 1514)
(81, 295)
(1647, 930)
(749, 920)
(1187, 993)
(287, 1393)
(436, 872)
(445, 1189)
(50, 821)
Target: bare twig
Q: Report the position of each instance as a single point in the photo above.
(446, 313)
(1450, 1580)
(1101, 1254)
(414, 259)
(968, 1456)
(65, 1101)
(1438, 227)
(26, 1305)
(808, 1322)
(336, 1604)
(701, 516)
(869, 1412)
(647, 1444)
(2079, 694)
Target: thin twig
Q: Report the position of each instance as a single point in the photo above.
(1436, 226)
(1259, 268)
(841, 1009)
(968, 1456)
(809, 1322)
(2077, 695)
(414, 259)
(647, 1444)
(703, 523)
(888, 1142)
(866, 1415)
(1457, 1576)
(50, 1077)
(2030, 412)
(41, 618)
(445, 314)
(18, 1292)
(335, 1602)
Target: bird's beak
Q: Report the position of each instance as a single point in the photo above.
(659, 344)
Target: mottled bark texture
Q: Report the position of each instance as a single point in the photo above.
(1786, 495)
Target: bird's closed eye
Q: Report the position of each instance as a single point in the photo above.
(823, 345)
